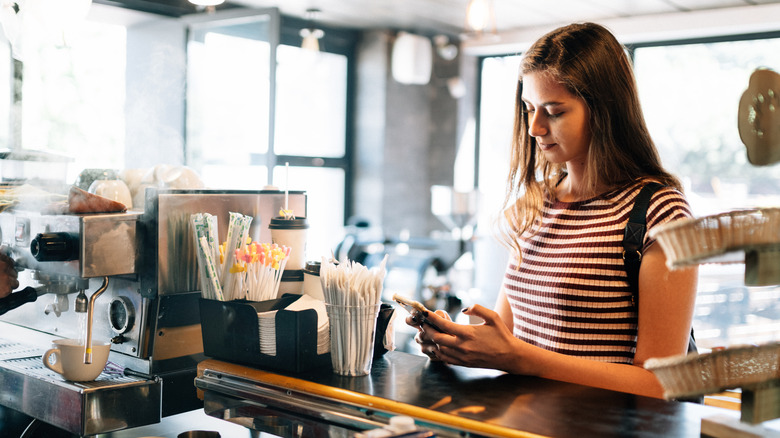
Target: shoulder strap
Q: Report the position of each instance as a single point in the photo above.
(633, 239)
(634, 235)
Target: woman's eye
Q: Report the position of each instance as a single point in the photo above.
(555, 115)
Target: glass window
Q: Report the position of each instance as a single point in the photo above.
(73, 96)
(690, 94)
(228, 101)
(233, 138)
(325, 204)
(311, 112)
(496, 115)
(311, 103)
(74, 103)
(6, 75)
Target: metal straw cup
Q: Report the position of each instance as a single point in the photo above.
(352, 331)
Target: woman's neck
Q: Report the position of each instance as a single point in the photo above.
(573, 189)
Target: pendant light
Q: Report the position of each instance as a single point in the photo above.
(480, 18)
(207, 2)
(310, 34)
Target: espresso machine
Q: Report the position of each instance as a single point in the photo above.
(127, 278)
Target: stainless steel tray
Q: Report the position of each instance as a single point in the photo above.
(112, 402)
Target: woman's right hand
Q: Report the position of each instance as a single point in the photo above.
(8, 276)
(424, 334)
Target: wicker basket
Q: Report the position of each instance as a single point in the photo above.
(691, 241)
(699, 374)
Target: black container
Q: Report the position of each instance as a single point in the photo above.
(231, 333)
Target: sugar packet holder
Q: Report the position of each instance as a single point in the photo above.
(231, 333)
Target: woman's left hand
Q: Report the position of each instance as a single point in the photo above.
(486, 345)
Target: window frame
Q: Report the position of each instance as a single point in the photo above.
(337, 41)
(341, 42)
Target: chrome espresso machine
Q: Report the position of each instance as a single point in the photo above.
(128, 278)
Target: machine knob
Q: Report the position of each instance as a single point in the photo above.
(121, 316)
(55, 247)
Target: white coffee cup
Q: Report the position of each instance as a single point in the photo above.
(68, 357)
(292, 233)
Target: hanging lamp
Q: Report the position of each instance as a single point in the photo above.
(480, 19)
(310, 34)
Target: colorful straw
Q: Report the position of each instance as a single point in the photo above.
(238, 268)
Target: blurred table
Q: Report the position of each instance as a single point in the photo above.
(453, 401)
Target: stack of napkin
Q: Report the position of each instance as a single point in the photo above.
(267, 325)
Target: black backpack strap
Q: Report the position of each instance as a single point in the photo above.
(633, 240)
(634, 235)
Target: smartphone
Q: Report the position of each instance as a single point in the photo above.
(416, 309)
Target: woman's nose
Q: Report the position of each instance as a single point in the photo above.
(536, 126)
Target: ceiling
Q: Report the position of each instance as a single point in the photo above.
(517, 22)
(448, 16)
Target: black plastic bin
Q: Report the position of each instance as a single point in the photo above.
(231, 333)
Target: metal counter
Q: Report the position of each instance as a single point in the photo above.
(452, 401)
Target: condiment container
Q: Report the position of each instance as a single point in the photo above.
(292, 282)
(311, 281)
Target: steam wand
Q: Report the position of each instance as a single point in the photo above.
(81, 302)
(90, 314)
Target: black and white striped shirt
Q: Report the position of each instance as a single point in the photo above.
(570, 293)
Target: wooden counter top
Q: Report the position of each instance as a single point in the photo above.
(481, 402)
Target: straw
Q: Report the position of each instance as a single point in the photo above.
(352, 291)
(237, 268)
(286, 186)
(261, 266)
(204, 230)
(211, 272)
(238, 233)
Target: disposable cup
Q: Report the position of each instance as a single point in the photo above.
(292, 233)
(68, 359)
(352, 331)
(311, 281)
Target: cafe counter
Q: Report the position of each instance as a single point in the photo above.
(448, 400)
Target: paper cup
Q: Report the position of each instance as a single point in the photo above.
(68, 359)
(292, 233)
(311, 281)
(352, 331)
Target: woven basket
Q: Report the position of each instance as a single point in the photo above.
(699, 374)
(691, 241)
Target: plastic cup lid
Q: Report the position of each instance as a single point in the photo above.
(280, 223)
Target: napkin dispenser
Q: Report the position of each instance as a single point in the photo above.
(231, 332)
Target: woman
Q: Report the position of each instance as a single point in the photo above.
(581, 154)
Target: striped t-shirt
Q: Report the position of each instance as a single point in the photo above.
(570, 293)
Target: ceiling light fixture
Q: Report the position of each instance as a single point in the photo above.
(412, 59)
(310, 34)
(207, 2)
(445, 48)
(480, 18)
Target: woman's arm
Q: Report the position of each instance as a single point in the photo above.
(665, 311)
(504, 310)
(666, 302)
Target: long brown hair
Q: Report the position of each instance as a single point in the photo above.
(589, 61)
